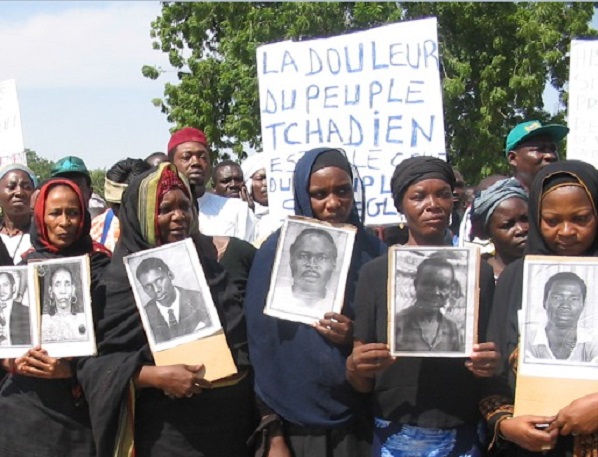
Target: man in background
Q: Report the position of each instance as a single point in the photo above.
(218, 216)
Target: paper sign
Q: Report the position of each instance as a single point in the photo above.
(376, 94)
(12, 149)
(582, 141)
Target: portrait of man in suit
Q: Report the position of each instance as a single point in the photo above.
(14, 316)
(172, 311)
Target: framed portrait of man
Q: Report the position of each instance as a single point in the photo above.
(310, 270)
(558, 348)
(17, 318)
(61, 293)
(432, 301)
(172, 295)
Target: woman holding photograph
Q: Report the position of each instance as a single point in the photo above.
(42, 393)
(307, 407)
(164, 410)
(65, 319)
(563, 222)
(423, 406)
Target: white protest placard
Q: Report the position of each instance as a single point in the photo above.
(376, 94)
(12, 149)
(582, 118)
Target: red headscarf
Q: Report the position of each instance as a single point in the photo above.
(40, 210)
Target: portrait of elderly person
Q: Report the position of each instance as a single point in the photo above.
(561, 338)
(499, 214)
(63, 319)
(313, 260)
(422, 326)
(172, 311)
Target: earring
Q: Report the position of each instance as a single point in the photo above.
(74, 300)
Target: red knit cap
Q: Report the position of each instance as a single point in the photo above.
(184, 135)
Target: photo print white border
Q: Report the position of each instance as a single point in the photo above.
(19, 274)
(39, 269)
(182, 260)
(280, 303)
(402, 268)
(532, 316)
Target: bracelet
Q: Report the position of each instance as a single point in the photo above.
(12, 366)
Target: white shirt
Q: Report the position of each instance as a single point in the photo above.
(175, 307)
(6, 329)
(221, 216)
(585, 350)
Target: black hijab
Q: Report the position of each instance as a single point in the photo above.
(298, 373)
(507, 298)
(122, 343)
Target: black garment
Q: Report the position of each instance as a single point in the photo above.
(425, 392)
(164, 423)
(50, 418)
(237, 260)
(503, 328)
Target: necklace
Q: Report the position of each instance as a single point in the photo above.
(12, 256)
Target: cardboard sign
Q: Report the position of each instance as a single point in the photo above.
(376, 94)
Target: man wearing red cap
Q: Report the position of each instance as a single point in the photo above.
(188, 151)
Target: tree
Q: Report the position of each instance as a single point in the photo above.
(41, 167)
(496, 59)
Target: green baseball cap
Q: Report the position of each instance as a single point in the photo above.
(70, 165)
(529, 129)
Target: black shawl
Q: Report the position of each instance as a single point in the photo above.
(122, 345)
(504, 326)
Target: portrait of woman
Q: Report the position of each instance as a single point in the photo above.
(62, 317)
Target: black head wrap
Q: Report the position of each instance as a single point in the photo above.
(332, 158)
(556, 174)
(416, 169)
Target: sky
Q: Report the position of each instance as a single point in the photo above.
(77, 65)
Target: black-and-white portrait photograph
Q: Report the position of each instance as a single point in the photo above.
(558, 318)
(432, 301)
(16, 332)
(310, 270)
(172, 295)
(63, 298)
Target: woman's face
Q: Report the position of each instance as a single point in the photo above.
(567, 221)
(174, 216)
(331, 194)
(62, 216)
(260, 187)
(62, 289)
(427, 207)
(15, 193)
(508, 227)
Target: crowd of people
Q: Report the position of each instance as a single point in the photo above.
(331, 389)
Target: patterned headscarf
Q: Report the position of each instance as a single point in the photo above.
(152, 189)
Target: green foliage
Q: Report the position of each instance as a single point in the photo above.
(496, 59)
(40, 166)
(43, 167)
(97, 180)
